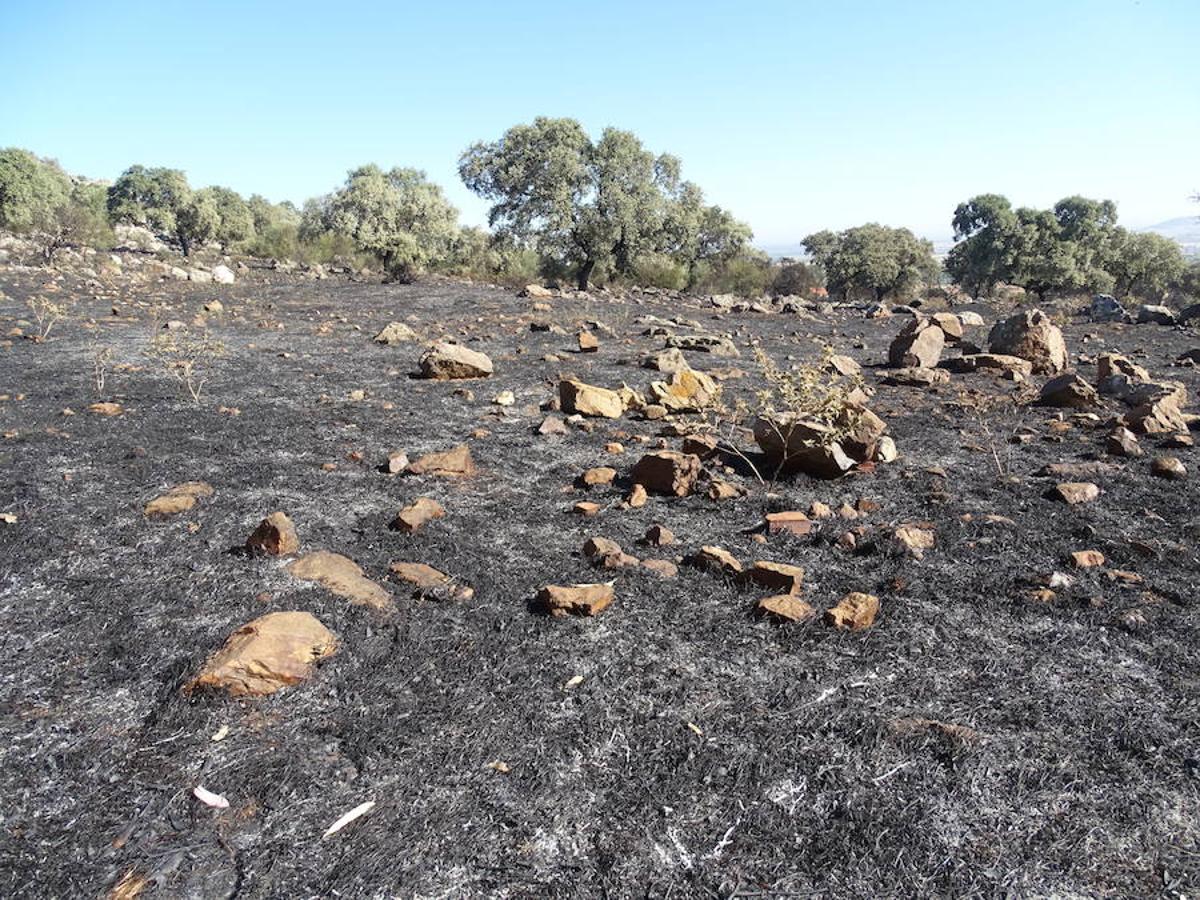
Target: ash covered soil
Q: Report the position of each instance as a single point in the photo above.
(672, 744)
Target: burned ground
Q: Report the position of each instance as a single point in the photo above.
(703, 752)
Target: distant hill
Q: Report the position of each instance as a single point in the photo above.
(1185, 231)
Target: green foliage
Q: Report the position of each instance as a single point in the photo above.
(399, 217)
(1144, 265)
(31, 190)
(197, 221)
(480, 256)
(1072, 247)
(235, 222)
(985, 228)
(1188, 283)
(594, 205)
(886, 262)
(152, 198)
(661, 271)
(80, 221)
(797, 279)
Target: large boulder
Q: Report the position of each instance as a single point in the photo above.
(794, 444)
(536, 292)
(395, 333)
(1155, 315)
(582, 399)
(686, 391)
(1157, 408)
(1068, 390)
(667, 472)
(1105, 308)
(1031, 335)
(269, 653)
(919, 345)
(445, 361)
(341, 576)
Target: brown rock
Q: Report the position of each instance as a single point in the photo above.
(1032, 336)
(637, 497)
(773, 576)
(446, 361)
(853, 612)
(552, 425)
(600, 475)
(670, 360)
(701, 445)
(586, 508)
(663, 568)
(417, 514)
(395, 333)
(582, 399)
(588, 342)
(950, 324)
(453, 463)
(845, 366)
(667, 472)
(1123, 442)
(919, 345)
(1068, 390)
(269, 653)
(1168, 467)
(715, 559)
(1087, 559)
(1075, 492)
(396, 463)
(575, 599)
(341, 576)
(1011, 367)
(785, 608)
(724, 490)
(429, 583)
(915, 539)
(793, 444)
(178, 499)
(274, 536)
(686, 391)
(536, 292)
(819, 510)
(789, 522)
(917, 377)
(106, 409)
(658, 536)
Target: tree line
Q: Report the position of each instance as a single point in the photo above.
(567, 207)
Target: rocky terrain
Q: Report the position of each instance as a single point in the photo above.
(437, 590)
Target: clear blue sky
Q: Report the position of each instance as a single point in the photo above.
(795, 115)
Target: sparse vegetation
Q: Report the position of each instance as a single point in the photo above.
(47, 312)
(188, 358)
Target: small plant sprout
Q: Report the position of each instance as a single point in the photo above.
(101, 357)
(46, 313)
(188, 359)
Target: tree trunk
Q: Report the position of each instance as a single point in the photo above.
(585, 273)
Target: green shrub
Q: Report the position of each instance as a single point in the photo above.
(660, 271)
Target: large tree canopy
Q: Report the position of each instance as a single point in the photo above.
(150, 197)
(31, 190)
(592, 203)
(1144, 264)
(1070, 247)
(887, 262)
(398, 216)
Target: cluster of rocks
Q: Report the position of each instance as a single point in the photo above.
(281, 648)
